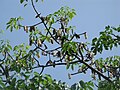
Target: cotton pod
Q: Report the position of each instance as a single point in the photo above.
(59, 33)
(38, 54)
(26, 29)
(39, 42)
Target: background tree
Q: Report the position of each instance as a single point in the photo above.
(19, 63)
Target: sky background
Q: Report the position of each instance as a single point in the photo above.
(92, 16)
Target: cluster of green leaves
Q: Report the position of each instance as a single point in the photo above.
(107, 39)
(110, 66)
(64, 14)
(5, 46)
(44, 82)
(25, 2)
(69, 48)
(83, 86)
(105, 85)
(18, 63)
(14, 23)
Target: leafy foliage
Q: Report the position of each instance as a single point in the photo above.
(14, 23)
(107, 40)
(19, 63)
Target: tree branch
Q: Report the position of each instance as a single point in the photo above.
(98, 72)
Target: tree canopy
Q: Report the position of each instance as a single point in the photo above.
(18, 63)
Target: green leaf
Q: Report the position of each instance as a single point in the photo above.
(36, 0)
(90, 83)
(72, 66)
(1, 83)
(13, 81)
(25, 5)
(36, 74)
(89, 88)
(73, 87)
(21, 1)
(93, 41)
(68, 65)
(82, 84)
(27, 47)
(107, 27)
(9, 46)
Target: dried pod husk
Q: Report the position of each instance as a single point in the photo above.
(47, 18)
(93, 76)
(54, 53)
(59, 33)
(33, 60)
(110, 75)
(53, 64)
(26, 29)
(39, 42)
(50, 62)
(51, 40)
(54, 31)
(44, 53)
(30, 41)
(45, 46)
(32, 28)
(99, 77)
(69, 75)
(42, 19)
(85, 35)
(38, 54)
(66, 31)
(80, 70)
(3, 53)
(77, 36)
(62, 26)
(90, 55)
(81, 45)
(58, 54)
(56, 37)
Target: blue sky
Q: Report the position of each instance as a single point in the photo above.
(92, 16)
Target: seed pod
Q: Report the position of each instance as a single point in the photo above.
(81, 45)
(66, 30)
(69, 75)
(85, 35)
(62, 26)
(26, 29)
(93, 75)
(80, 70)
(58, 54)
(45, 46)
(39, 42)
(59, 32)
(77, 36)
(32, 28)
(53, 64)
(54, 31)
(37, 54)
(51, 40)
(30, 41)
(42, 19)
(50, 62)
(54, 53)
(44, 53)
